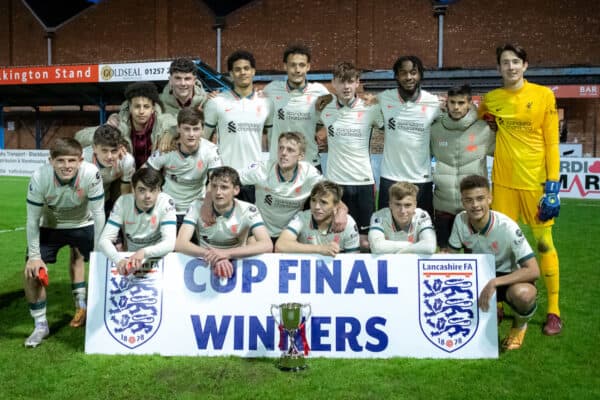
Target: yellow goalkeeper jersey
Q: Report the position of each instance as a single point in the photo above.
(527, 151)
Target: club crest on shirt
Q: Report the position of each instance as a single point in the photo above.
(519, 237)
(133, 304)
(448, 310)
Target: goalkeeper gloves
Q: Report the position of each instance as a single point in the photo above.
(549, 206)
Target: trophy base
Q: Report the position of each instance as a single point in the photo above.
(292, 363)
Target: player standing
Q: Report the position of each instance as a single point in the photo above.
(183, 89)
(144, 124)
(526, 168)
(349, 122)
(460, 143)
(293, 103)
(240, 118)
(64, 208)
(408, 113)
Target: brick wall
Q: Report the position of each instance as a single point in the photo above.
(371, 33)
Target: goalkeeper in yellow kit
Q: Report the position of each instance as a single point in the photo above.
(527, 162)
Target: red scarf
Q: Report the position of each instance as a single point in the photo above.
(142, 142)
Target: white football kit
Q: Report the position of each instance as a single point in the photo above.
(153, 230)
(123, 170)
(239, 123)
(501, 237)
(348, 136)
(186, 174)
(277, 199)
(231, 229)
(307, 231)
(383, 221)
(294, 111)
(406, 149)
(63, 205)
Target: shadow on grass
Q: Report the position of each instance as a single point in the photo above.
(6, 299)
(16, 322)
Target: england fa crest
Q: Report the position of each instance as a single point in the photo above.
(448, 312)
(133, 303)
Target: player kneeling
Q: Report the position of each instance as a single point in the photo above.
(485, 231)
(147, 218)
(402, 227)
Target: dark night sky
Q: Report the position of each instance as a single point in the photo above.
(54, 13)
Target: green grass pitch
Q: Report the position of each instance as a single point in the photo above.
(559, 367)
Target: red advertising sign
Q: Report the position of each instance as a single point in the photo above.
(51, 74)
(576, 91)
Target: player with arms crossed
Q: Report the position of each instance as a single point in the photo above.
(64, 208)
(186, 169)
(240, 118)
(526, 168)
(484, 231)
(227, 238)
(310, 231)
(147, 218)
(402, 227)
(293, 103)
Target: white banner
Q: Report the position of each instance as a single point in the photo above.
(132, 72)
(363, 306)
(22, 162)
(580, 178)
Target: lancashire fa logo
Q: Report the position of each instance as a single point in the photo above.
(133, 303)
(448, 313)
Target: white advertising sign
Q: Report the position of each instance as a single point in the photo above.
(132, 72)
(22, 162)
(363, 306)
(580, 178)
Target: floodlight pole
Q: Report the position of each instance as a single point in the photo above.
(218, 26)
(49, 37)
(439, 10)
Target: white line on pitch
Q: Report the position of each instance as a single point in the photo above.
(20, 228)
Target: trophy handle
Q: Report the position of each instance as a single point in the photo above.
(273, 315)
(309, 310)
